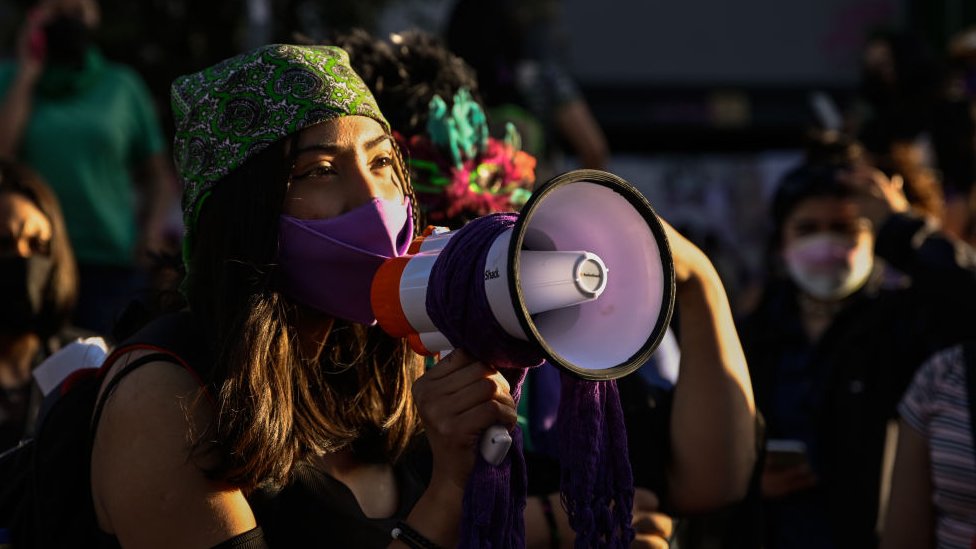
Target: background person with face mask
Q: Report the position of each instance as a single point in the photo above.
(38, 285)
(89, 127)
(860, 292)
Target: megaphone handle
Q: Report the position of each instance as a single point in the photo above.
(495, 441)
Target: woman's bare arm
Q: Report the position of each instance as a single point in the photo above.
(18, 103)
(714, 416)
(911, 519)
(148, 490)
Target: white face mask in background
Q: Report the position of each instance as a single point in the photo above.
(829, 266)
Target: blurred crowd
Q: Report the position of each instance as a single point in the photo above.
(855, 336)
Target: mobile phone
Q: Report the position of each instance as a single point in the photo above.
(784, 453)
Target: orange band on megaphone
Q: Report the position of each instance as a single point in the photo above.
(415, 245)
(417, 242)
(413, 339)
(384, 296)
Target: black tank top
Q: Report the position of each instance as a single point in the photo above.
(316, 510)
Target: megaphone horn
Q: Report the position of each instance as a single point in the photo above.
(585, 273)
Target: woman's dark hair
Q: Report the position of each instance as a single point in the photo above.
(276, 406)
(61, 291)
(828, 157)
(810, 180)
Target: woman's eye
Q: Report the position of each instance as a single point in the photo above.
(382, 162)
(316, 171)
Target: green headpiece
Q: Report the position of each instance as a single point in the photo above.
(229, 112)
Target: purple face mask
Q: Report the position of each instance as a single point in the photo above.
(329, 264)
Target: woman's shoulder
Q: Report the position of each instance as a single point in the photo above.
(149, 473)
(156, 376)
(159, 396)
(152, 390)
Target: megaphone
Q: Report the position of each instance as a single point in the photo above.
(585, 275)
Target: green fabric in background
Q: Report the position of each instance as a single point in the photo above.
(85, 145)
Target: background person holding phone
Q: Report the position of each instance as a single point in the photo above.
(89, 128)
(860, 291)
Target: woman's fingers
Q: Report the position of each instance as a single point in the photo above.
(649, 542)
(653, 524)
(647, 522)
(645, 500)
(453, 362)
(478, 391)
(454, 374)
(460, 397)
(475, 420)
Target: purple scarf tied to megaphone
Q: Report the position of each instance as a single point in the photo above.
(597, 482)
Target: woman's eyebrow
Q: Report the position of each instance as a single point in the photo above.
(332, 148)
(376, 141)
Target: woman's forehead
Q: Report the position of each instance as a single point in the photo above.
(347, 131)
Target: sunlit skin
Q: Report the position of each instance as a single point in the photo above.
(24, 229)
(24, 232)
(340, 166)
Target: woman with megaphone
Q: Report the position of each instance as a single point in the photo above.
(294, 191)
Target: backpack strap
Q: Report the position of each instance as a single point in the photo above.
(969, 357)
(176, 338)
(124, 371)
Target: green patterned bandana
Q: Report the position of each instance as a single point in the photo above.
(227, 113)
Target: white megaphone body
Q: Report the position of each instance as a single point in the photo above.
(585, 274)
